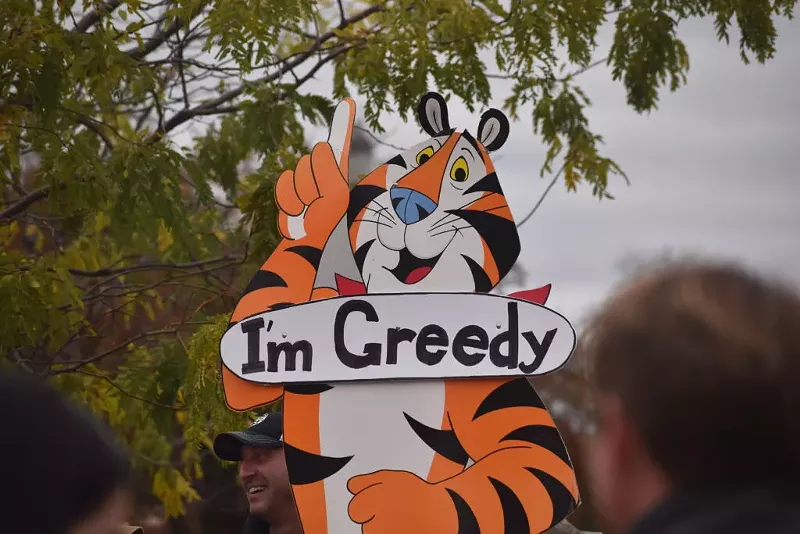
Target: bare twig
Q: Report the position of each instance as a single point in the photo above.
(342, 16)
(129, 394)
(117, 348)
(151, 267)
(584, 69)
(541, 198)
(380, 141)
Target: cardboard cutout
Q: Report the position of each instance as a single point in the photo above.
(406, 409)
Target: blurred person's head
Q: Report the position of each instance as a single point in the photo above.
(696, 376)
(262, 467)
(63, 470)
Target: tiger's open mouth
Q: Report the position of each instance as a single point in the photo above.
(411, 269)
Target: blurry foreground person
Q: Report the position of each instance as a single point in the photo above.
(263, 473)
(63, 471)
(696, 372)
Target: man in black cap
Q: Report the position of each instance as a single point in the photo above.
(262, 470)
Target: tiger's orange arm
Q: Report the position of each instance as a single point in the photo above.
(522, 472)
(286, 278)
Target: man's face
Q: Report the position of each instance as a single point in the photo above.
(265, 479)
(604, 462)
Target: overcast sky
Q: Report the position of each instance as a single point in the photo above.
(712, 172)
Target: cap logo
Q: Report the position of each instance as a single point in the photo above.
(260, 419)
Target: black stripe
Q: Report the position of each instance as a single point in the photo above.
(515, 520)
(360, 196)
(311, 254)
(500, 235)
(264, 279)
(307, 389)
(488, 183)
(444, 442)
(307, 468)
(280, 306)
(398, 160)
(482, 282)
(471, 140)
(467, 522)
(543, 436)
(360, 255)
(563, 502)
(517, 392)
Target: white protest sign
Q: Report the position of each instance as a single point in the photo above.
(398, 336)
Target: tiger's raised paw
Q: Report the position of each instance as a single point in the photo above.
(313, 198)
(389, 502)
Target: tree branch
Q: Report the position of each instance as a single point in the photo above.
(541, 198)
(162, 35)
(93, 17)
(85, 121)
(22, 204)
(129, 394)
(380, 141)
(122, 346)
(151, 267)
(208, 107)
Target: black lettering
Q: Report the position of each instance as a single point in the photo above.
(254, 362)
(470, 337)
(290, 350)
(511, 337)
(372, 351)
(431, 335)
(394, 337)
(539, 349)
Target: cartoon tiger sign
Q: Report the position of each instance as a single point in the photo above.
(406, 407)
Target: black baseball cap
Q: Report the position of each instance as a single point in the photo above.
(265, 433)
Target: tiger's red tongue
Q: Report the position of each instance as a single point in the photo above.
(417, 274)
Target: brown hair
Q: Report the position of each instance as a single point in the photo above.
(705, 359)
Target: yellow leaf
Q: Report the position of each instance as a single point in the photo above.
(165, 239)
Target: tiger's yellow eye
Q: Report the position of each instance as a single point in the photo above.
(424, 155)
(459, 172)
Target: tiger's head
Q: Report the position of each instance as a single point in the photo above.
(434, 218)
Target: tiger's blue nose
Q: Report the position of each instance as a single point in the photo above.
(411, 206)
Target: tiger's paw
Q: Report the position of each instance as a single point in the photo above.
(313, 199)
(387, 502)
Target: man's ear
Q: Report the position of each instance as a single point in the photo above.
(615, 428)
(626, 443)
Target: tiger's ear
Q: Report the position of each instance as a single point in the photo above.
(432, 112)
(493, 129)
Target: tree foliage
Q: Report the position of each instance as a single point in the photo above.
(127, 225)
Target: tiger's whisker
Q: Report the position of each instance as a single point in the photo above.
(443, 223)
(443, 217)
(382, 213)
(453, 229)
(373, 221)
(386, 210)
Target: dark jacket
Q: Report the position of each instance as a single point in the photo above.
(745, 512)
(253, 525)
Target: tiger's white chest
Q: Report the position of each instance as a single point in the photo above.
(367, 421)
